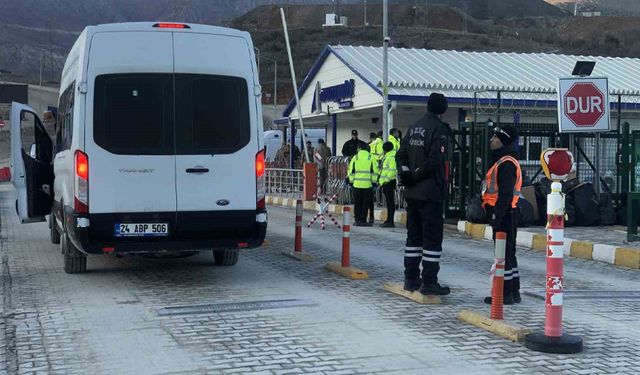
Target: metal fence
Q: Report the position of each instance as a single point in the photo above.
(596, 156)
(285, 182)
(290, 183)
(336, 184)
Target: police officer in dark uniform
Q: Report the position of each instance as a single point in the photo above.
(501, 191)
(421, 167)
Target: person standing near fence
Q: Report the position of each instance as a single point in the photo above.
(350, 147)
(363, 173)
(500, 194)
(421, 163)
(373, 145)
(394, 138)
(321, 156)
(388, 182)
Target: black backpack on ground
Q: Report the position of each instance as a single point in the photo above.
(475, 213)
(586, 205)
(526, 216)
(607, 211)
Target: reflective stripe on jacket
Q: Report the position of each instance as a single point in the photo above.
(490, 183)
(389, 170)
(363, 170)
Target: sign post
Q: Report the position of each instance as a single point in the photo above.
(583, 106)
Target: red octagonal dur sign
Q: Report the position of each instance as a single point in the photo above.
(584, 105)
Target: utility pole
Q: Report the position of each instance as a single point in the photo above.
(466, 16)
(41, 62)
(426, 11)
(275, 89)
(258, 59)
(385, 71)
(51, 68)
(365, 13)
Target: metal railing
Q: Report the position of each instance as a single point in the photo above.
(335, 184)
(337, 173)
(285, 182)
(290, 183)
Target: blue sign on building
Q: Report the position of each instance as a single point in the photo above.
(337, 94)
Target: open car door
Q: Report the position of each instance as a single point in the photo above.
(31, 164)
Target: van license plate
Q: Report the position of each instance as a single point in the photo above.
(141, 229)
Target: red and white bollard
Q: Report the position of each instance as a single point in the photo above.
(553, 340)
(297, 246)
(497, 287)
(346, 236)
(344, 266)
(298, 237)
(555, 262)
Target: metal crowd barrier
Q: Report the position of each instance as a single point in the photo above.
(335, 184)
(285, 182)
(337, 173)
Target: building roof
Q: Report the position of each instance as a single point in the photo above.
(415, 73)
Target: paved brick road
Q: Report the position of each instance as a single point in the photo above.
(113, 319)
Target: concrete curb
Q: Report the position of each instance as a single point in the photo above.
(628, 257)
(511, 331)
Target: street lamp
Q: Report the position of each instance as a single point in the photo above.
(275, 86)
(385, 71)
(257, 58)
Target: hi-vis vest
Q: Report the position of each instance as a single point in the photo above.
(490, 183)
(389, 170)
(375, 148)
(395, 141)
(363, 170)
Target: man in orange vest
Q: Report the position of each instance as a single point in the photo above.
(500, 194)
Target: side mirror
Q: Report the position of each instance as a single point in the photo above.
(32, 151)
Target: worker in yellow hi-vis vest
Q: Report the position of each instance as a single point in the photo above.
(388, 182)
(363, 176)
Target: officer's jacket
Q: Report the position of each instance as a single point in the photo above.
(423, 151)
(395, 141)
(389, 171)
(363, 170)
(491, 187)
(376, 148)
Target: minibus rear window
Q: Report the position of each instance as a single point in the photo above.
(133, 114)
(212, 114)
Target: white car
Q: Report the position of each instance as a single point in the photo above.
(158, 145)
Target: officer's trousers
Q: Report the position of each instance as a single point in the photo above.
(361, 203)
(425, 224)
(389, 190)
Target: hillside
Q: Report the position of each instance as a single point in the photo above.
(490, 9)
(36, 46)
(35, 35)
(607, 7)
(617, 36)
(75, 15)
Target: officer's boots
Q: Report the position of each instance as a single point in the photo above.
(412, 280)
(430, 284)
(411, 284)
(516, 289)
(434, 289)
